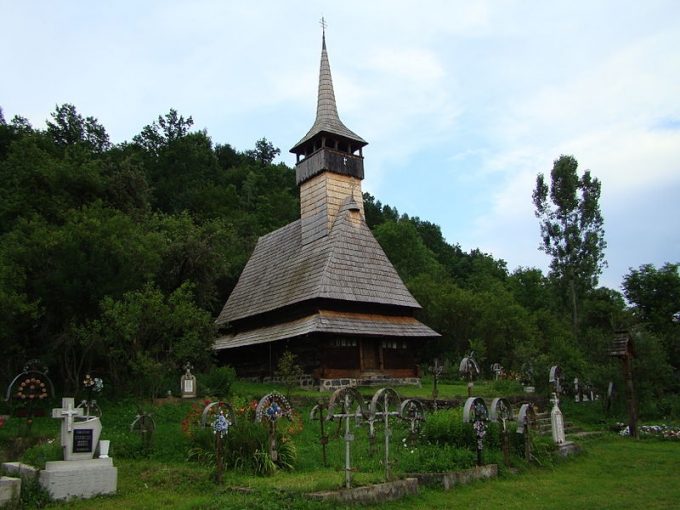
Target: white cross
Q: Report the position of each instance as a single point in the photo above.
(67, 412)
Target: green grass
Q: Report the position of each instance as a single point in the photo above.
(613, 472)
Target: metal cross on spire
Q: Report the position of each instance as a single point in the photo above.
(323, 24)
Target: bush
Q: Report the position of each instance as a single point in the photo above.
(219, 382)
(41, 453)
(245, 449)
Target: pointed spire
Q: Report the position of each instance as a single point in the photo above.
(327, 118)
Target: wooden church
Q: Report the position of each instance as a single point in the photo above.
(322, 287)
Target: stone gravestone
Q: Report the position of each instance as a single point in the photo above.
(188, 382)
(557, 421)
(79, 475)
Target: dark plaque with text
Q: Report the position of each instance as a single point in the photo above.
(82, 440)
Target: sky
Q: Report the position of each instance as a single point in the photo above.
(463, 103)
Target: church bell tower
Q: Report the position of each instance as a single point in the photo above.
(330, 162)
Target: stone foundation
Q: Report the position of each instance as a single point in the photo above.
(10, 489)
(334, 384)
(450, 479)
(388, 491)
(20, 470)
(79, 478)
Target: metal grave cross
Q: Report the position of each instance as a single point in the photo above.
(271, 408)
(385, 403)
(475, 412)
(345, 398)
(436, 369)
(317, 414)
(501, 411)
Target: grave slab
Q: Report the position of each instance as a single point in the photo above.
(79, 478)
(19, 469)
(10, 488)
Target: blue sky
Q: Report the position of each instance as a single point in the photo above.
(462, 103)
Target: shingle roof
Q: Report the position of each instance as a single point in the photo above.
(327, 118)
(324, 321)
(348, 265)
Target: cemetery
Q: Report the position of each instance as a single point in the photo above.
(357, 445)
(223, 331)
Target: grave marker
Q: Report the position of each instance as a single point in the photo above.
(525, 422)
(79, 474)
(188, 382)
(501, 412)
(557, 421)
(385, 403)
(346, 398)
(475, 412)
(273, 407)
(469, 369)
(317, 414)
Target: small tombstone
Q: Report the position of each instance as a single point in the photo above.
(385, 403)
(501, 412)
(271, 408)
(577, 390)
(525, 422)
(145, 426)
(188, 382)
(436, 370)
(555, 379)
(475, 412)
(79, 433)
(317, 414)
(556, 421)
(346, 398)
(469, 370)
(497, 370)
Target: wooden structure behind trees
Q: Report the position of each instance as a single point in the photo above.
(622, 347)
(322, 286)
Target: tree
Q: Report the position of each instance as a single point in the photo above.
(159, 134)
(264, 152)
(289, 371)
(70, 128)
(572, 230)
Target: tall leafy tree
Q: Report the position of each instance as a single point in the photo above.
(572, 229)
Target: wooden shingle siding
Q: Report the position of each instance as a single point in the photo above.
(330, 322)
(347, 265)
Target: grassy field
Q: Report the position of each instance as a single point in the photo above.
(612, 473)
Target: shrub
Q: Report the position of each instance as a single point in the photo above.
(219, 382)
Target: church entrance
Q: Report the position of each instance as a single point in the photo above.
(370, 354)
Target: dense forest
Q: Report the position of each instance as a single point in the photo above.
(116, 259)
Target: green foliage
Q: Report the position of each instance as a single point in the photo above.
(572, 231)
(42, 452)
(218, 382)
(289, 371)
